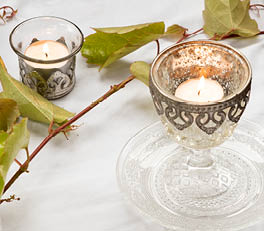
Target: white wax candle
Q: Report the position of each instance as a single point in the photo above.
(200, 90)
(47, 50)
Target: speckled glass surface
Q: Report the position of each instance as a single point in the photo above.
(192, 124)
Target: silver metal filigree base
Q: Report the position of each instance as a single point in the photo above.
(193, 123)
(50, 83)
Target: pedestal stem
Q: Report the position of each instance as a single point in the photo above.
(200, 158)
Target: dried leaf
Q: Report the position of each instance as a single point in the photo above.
(8, 113)
(110, 44)
(225, 17)
(141, 71)
(30, 103)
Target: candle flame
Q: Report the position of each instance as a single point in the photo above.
(201, 84)
(45, 49)
(203, 72)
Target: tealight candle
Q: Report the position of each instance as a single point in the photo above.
(200, 90)
(46, 50)
(46, 47)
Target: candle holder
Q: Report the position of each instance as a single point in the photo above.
(188, 178)
(52, 78)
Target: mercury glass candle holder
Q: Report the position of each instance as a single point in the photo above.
(199, 125)
(199, 173)
(52, 78)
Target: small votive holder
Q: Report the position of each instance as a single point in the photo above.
(200, 125)
(46, 47)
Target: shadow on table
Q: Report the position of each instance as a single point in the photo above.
(115, 72)
(240, 43)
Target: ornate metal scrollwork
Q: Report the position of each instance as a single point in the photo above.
(207, 117)
(59, 83)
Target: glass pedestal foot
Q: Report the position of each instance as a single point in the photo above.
(230, 185)
(156, 176)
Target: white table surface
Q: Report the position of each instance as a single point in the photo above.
(72, 184)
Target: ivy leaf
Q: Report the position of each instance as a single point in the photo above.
(60, 115)
(110, 44)
(30, 103)
(226, 17)
(13, 136)
(10, 144)
(175, 30)
(8, 113)
(141, 71)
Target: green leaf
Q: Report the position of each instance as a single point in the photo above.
(61, 115)
(125, 29)
(226, 17)
(42, 85)
(30, 103)
(175, 30)
(8, 113)
(110, 44)
(3, 137)
(141, 71)
(10, 144)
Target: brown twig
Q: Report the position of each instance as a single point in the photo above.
(186, 35)
(53, 133)
(261, 32)
(256, 5)
(158, 46)
(10, 199)
(229, 35)
(7, 13)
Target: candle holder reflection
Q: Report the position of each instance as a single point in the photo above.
(46, 49)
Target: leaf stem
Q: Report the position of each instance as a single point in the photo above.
(53, 133)
(158, 46)
(18, 162)
(186, 35)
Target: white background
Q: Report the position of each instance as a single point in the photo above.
(72, 184)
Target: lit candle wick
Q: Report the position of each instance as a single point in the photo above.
(46, 50)
(200, 85)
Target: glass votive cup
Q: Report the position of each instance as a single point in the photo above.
(200, 125)
(46, 47)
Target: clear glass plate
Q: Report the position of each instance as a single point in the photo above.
(153, 174)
